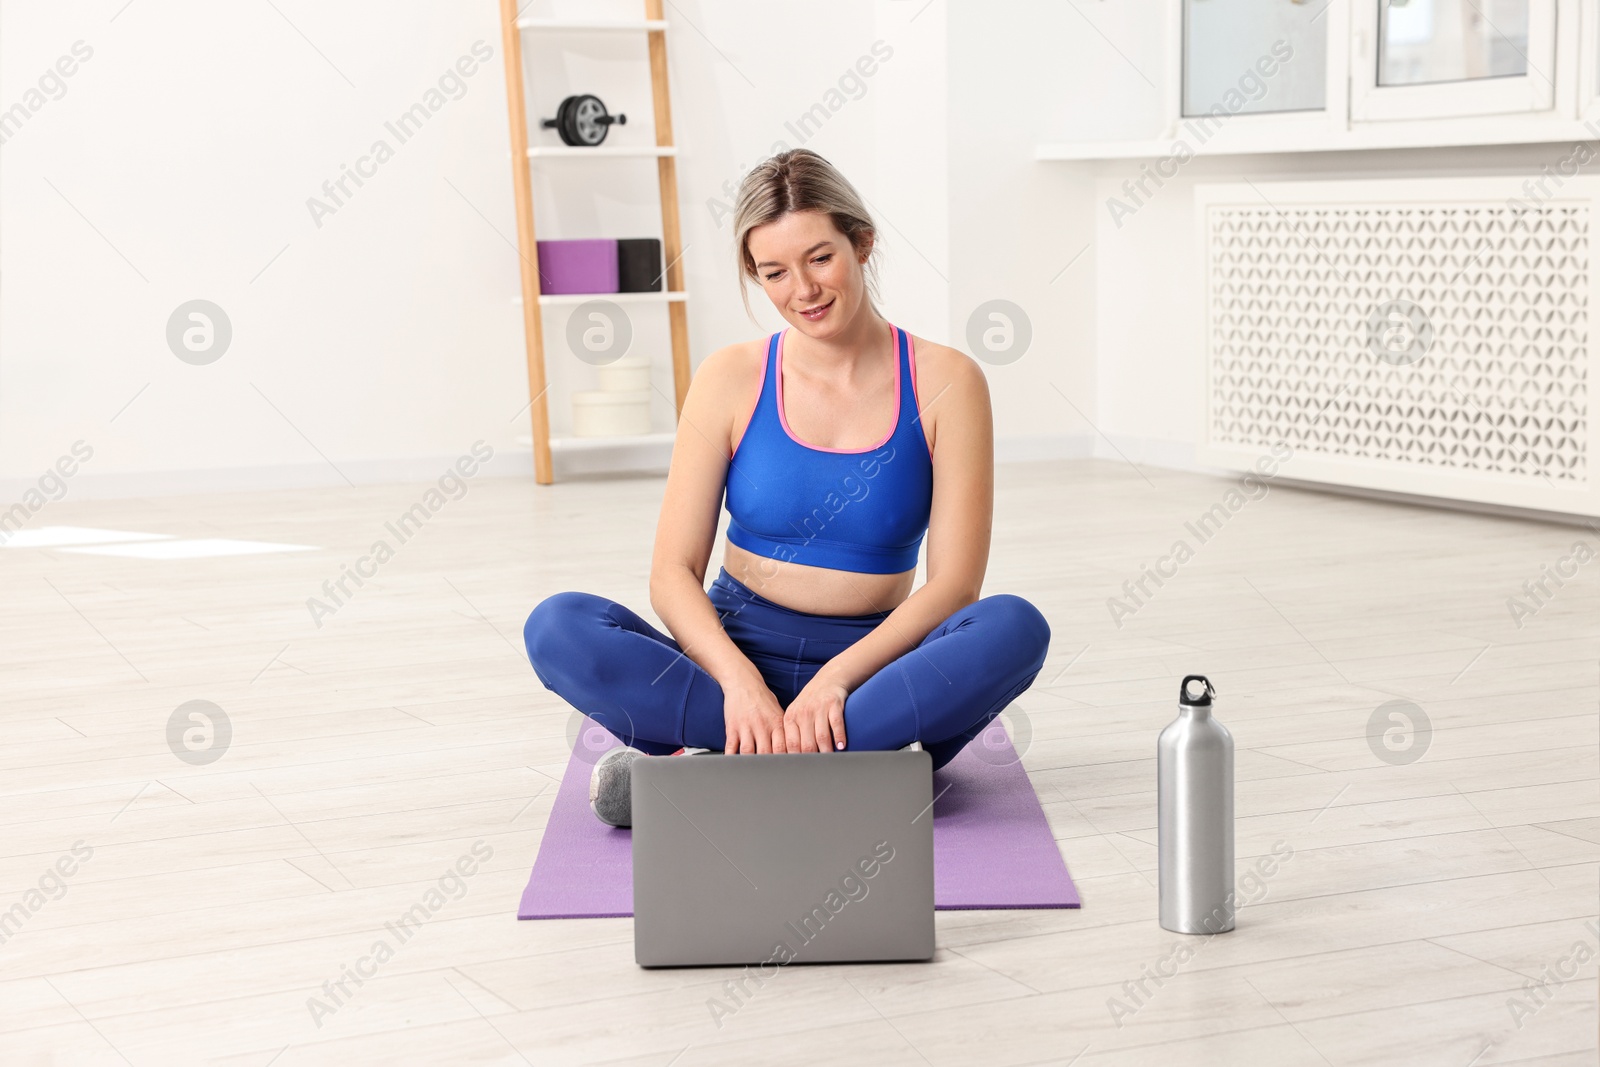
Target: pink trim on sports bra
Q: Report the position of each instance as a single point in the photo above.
(842, 451)
(916, 398)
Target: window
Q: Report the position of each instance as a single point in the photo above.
(1423, 42)
(1230, 45)
(1422, 59)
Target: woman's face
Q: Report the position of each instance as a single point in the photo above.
(806, 265)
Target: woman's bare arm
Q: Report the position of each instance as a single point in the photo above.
(752, 719)
(690, 508)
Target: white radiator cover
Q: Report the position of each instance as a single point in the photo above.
(1427, 336)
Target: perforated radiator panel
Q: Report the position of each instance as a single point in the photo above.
(1402, 326)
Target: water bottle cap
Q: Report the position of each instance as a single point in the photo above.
(1201, 701)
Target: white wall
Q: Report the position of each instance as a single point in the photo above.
(179, 160)
(384, 342)
(178, 165)
(1021, 231)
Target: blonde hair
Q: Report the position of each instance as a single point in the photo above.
(800, 180)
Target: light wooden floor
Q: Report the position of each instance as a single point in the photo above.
(370, 754)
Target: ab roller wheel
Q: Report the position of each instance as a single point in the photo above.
(582, 121)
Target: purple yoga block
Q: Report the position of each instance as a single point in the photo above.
(584, 266)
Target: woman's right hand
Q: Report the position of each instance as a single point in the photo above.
(751, 717)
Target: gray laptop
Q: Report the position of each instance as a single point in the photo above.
(782, 858)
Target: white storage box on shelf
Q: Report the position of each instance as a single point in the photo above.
(629, 374)
(610, 413)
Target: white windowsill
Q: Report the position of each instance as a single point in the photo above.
(1274, 135)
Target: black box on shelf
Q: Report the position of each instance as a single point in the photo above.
(639, 265)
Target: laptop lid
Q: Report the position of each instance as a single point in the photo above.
(782, 858)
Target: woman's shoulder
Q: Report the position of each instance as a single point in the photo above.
(940, 366)
(739, 358)
(723, 389)
(942, 371)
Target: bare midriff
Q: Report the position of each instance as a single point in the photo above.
(817, 590)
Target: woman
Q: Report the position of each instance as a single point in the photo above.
(839, 442)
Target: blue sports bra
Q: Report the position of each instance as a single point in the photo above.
(864, 511)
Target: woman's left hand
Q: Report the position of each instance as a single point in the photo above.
(814, 720)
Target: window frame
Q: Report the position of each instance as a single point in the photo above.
(1574, 97)
(1267, 124)
(1511, 94)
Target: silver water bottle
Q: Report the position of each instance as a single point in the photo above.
(1194, 773)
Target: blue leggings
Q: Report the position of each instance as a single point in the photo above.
(632, 679)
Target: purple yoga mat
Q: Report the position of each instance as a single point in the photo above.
(992, 847)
